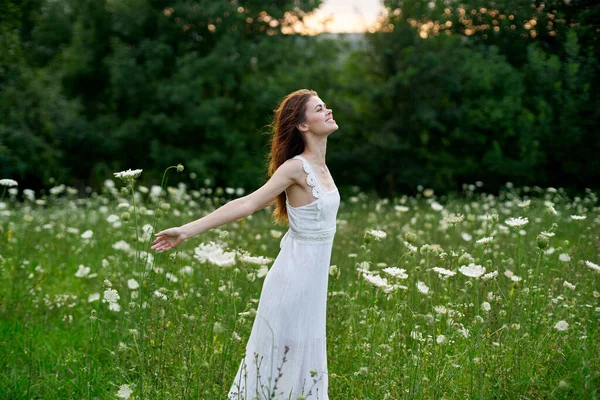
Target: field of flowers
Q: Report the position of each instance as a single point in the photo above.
(471, 296)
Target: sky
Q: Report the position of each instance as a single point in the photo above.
(346, 15)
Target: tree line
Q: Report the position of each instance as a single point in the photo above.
(442, 93)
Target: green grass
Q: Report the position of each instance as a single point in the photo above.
(54, 344)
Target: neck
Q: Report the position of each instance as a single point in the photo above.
(315, 150)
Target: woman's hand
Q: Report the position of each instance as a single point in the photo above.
(168, 239)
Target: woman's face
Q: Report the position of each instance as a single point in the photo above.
(319, 118)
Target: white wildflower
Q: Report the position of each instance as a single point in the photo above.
(578, 217)
(83, 271)
(466, 237)
(454, 218)
(160, 295)
(262, 271)
(375, 280)
(593, 266)
(93, 297)
(561, 326)
(524, 203)
(87, 234)
(489, 275)
(517, 222)
(564, 257)
(122, 245)
(223, 259)
(111, 296)
(128, 175)
(396, 272)
(437, 206)
(422, 287)
(124, 392)
(440, 339)
(472, 270)
(258, 260)
(443, 272)
(376, 234)
(568, 285)
(440, 309)
(486, 306)
(132, 284)
(485, 240)
(8, 182)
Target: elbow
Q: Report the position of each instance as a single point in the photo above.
(247, 208)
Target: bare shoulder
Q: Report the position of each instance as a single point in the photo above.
(293, 169)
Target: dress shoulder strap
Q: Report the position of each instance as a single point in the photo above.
(311, 178)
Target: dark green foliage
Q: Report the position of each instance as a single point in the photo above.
(90, 87)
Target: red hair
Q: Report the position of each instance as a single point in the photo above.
(287, 140)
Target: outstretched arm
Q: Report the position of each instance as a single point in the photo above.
(286, 175)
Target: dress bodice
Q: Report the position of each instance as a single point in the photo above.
(314, 222)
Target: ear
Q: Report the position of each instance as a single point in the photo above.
(302, 127)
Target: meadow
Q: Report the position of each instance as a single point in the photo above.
(466, 296)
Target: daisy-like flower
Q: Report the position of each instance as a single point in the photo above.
(83, 271)
(561, 326)
(224, 259)
(454, 218)
(375, 234)
(8, 182)
(440, 339)
(124, 392)
(486, 306)
(132, 284)
(564, 257)
(489, 275)
(466, 237)
(578, 217)
(129, 175)
(396, 272)
(376, 280)
(93, 297)
(411, 248)
(472, 270)
(440, 309)
(517, 222)
(568, 285)
(160, 295)
(422, 287)
(593, 266)
(550, 208)
(524, 203)
(443, 272)
(437, 206)
(111, 296)
(258, 260)
(262, 271)
(485, 240)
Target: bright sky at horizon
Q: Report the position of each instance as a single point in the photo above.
(345, 16)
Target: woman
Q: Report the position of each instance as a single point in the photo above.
(286, 352)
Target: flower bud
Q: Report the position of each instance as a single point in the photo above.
(410, 237)
(125, 216)
(542, 241)
(179, 167)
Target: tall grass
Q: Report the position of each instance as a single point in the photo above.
(181, 333)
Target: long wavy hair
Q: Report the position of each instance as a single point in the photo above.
(287, 140)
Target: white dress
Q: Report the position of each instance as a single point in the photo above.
(292, 305)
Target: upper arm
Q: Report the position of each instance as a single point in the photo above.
(286, 175)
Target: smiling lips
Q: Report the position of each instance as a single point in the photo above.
(329, 119)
